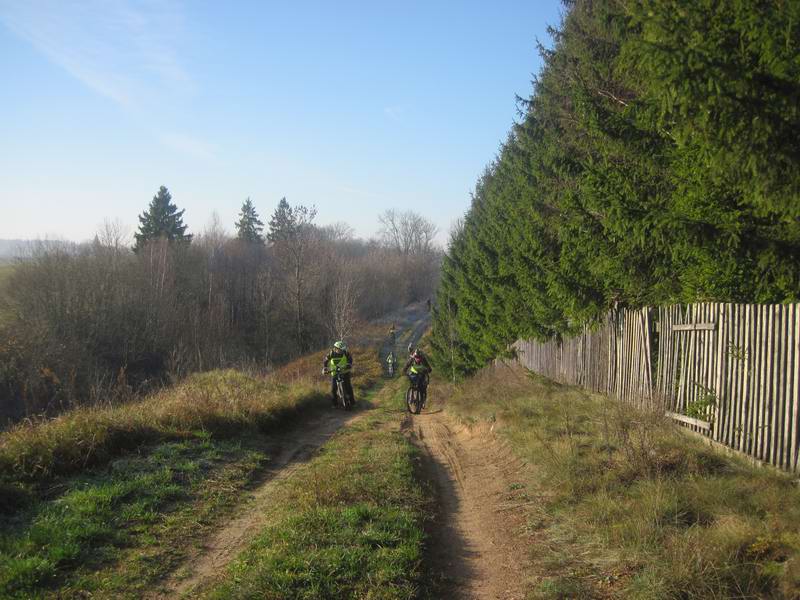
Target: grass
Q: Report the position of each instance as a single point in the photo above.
(632, 507)
(134, 515)
(107, 501)
(349, 525)
(5, 273)
(221, 403)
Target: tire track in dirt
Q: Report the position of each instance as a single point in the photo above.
(289, 451)
(479, 540)
(292, 450)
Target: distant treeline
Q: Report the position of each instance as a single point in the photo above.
(99, 322)
(657, 160)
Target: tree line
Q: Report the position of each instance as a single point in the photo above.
(102, 321)
(656, 161)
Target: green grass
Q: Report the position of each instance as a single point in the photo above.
(106, 502)
(137, 511)
(634, 508)
(349, 525)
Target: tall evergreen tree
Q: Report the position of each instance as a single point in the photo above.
(162, 220)
(282, 223)
(249, 227)
(656, 163)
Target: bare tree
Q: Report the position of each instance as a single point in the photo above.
(345, 295)
(295, 238)
(214, 234)
(87, 319)
(407, 232)
(266, 297)
(338, 232)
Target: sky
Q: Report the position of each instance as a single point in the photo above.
(354, 107)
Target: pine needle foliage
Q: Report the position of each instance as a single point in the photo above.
(654, 162)
(161, 220)
(249, 227)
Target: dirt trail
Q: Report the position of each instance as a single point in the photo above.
(479, 540)
(288, 451)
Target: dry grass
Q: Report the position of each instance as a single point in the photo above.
(5, 274)
(653, 513)
(223, 403)
(348, 525)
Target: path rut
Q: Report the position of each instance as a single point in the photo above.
(480, 540)
(290, 451)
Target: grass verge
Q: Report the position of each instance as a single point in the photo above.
(632, 507)
(349, 525)
(106, 501)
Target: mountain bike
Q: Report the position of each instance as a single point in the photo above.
(415, 396)
(346, 401)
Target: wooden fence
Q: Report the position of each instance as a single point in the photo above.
(727, 371)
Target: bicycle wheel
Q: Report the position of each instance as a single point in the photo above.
(412, 401)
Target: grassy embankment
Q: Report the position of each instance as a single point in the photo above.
(105, 501)
(348, 525)
(5, 273)
(630, 507)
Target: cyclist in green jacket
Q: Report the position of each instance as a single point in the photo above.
(418, 366)
(340, 357)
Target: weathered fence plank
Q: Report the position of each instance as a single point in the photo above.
(743, 359)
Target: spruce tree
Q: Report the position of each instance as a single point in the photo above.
(162, 220)
(249, 227)
(282, 223)
(656, 162)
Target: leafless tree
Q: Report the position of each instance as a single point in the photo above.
(407, 232)
(344, 301)
(90, 323)
(295, 243)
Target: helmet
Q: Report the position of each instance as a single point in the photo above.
(340, 345)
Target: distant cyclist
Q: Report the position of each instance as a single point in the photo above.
(390, 362)
(418, 366)
(339, 357)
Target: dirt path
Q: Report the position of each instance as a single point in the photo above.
(480, 538)
(288, 451)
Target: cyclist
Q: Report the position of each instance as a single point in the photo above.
(390, 361)
(419, 366)
(339, 357)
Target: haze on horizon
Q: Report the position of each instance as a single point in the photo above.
(354, 108)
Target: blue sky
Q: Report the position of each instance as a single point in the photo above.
(354, 107)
